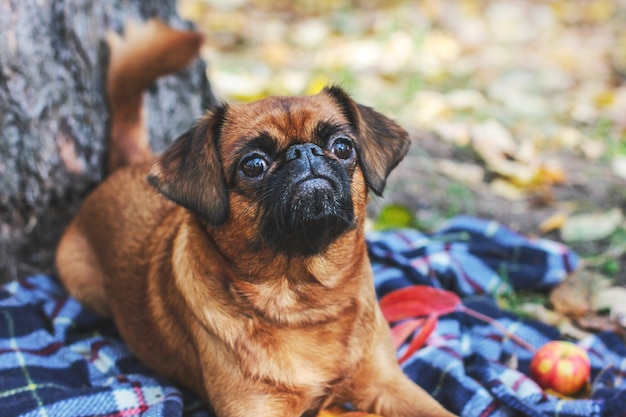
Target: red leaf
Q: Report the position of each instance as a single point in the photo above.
(401, 331)
(416, 301)
(418, 341)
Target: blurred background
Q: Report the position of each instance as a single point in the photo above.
(517, 108)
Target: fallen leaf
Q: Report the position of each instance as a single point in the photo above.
(401, 331)
(466, 100)
(618, 166)
(275, 54)
(457, 133)
(399, 50)
(596, 323)
(563, 323)
(191, 9)
(419, 339)
(243, 87)
(569, 330)
(417, 301)
(554, 222)
(571, 298)
(441, 46)
(297, 82)
(507, 23)
(316, 85)
(394, 216)
(590, 227)
(592, 149)
(428, 108)
(568, 137)
(468, 174)
(543, 314)
(508, 190)
(502, 155)
(310, 33)
(551, 172)
(492, 141)
(365, 55)
(611, 299)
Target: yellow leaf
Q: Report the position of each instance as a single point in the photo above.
(541, 313)
(601, 10)
(551, 174)
(192, 10)
(553, 222)
(316, 85)
(604, 99)
(520, 174)
(275, 54)
(507, 190)
(242, 87)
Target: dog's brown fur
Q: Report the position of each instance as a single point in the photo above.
(251, 329)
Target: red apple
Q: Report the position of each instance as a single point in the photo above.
(561, 366)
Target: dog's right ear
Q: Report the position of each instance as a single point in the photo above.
(382, 142)
(189, 172)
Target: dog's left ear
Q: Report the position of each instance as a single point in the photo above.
(189, 172)
(382, 143)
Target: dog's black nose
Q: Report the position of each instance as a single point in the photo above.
(308, 150)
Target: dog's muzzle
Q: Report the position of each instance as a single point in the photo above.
(311, 203)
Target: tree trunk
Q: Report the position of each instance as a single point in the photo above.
(54, 116)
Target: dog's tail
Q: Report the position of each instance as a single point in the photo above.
(146, 52)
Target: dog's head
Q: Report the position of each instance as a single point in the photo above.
(288, 172)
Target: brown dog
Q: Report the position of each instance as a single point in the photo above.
(239, 268)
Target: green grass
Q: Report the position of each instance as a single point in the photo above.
(461, 200)
(515, 301)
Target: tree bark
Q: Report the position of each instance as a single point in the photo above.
(54, 116)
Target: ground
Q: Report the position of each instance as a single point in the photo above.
(433, 196)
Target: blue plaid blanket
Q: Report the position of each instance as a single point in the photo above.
(58, 359)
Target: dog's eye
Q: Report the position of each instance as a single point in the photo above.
(342, 148)
(254, 166)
